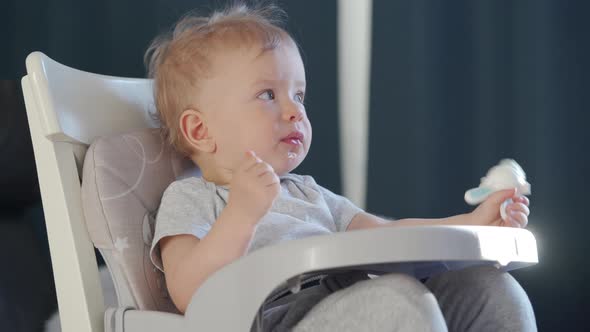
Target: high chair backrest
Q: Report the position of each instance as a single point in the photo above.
(68, 110)
(124, 176)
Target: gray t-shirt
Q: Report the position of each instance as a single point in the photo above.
(303, 208)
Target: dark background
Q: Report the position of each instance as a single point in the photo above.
(456, 86)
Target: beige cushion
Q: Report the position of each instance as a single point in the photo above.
(124, 177)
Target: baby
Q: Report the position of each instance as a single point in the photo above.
(230, 94)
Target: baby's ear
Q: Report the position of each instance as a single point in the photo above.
(194, 129)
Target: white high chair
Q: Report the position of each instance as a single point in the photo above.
(102, 125)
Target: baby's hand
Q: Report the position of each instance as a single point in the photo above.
(488, 212)
(253, 187)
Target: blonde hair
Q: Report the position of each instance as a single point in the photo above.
(178, 59)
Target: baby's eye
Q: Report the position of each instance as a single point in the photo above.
(267, 95)
(300, 96)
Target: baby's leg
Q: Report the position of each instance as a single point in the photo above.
(393, 302)
(482, 299)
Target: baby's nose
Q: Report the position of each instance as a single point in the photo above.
(293, 114)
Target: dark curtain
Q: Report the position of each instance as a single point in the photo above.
(459, 85)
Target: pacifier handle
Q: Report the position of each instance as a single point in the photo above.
(477, 195)
(503, 208)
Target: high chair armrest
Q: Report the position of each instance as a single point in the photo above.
(230, 298)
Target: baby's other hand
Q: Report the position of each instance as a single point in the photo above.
(488, 212)
(253, 187)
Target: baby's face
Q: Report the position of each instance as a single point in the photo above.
(254, 101)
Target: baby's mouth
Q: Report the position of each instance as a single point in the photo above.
(295, 138)
(291, 141)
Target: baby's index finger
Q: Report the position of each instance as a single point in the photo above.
(522, 199)
(253, 154)
(249, 160)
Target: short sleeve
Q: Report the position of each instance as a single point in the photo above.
(187, 207)
(341, 208)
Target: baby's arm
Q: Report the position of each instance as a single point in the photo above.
(188, 261)
(487, 214)
(365, 220)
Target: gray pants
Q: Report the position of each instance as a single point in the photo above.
(474, 299)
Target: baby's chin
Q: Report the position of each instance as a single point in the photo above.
(288, 164)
